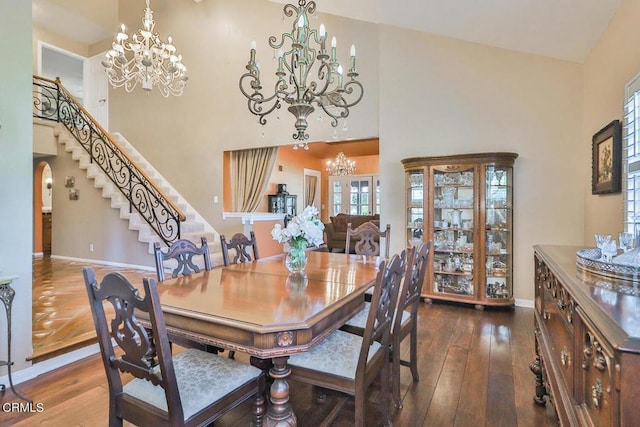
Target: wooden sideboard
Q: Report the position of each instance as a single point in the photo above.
(587, 330)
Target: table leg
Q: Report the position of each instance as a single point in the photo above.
(280, 413)
(6, 296)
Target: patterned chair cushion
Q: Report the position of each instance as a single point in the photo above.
(337, 354)
(360, 318)
(203, 378)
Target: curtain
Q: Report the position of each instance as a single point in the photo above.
(250, 174)
(310, 190)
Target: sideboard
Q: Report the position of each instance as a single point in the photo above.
(587, 333)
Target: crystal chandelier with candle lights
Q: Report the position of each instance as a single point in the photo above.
(305, 58)
(152, 63)
(341, 166)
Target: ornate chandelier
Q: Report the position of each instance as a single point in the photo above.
(295, 65)
(341, 166)
(153, 62)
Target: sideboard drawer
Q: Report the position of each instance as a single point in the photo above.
(595, 383)
(559, 331)
(596, 317)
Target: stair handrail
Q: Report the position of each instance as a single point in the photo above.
(56, 103)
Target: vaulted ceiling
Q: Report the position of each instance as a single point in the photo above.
(563, 29)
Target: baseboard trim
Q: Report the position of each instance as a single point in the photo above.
(525, 303)
(109, 263)
(49, 365)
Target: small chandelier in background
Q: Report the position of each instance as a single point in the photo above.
(341, 166)
(329, 92)
(153, 62)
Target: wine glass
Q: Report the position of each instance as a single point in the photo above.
(609, 250)
(602, 239)
(626, 241)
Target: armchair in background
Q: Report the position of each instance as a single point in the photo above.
(336, 229)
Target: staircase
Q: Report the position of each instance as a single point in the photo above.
(192, 228)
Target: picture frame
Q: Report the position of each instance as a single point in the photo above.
(74, 194)
(69, 181)
(606, 160)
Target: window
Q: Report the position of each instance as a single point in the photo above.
(631, 157)
(354, 194)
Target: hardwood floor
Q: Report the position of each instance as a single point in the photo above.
(61, 314)
(474, 371)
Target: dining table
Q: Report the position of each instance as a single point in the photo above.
(262, 309)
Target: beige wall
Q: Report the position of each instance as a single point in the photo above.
(424, 95)
(185, 137)
(440, 96)
(611, 64)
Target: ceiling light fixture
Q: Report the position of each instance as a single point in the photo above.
(341, 166)
(153, 62)
(329, 92)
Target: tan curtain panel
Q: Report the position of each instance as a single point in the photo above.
(251, 171)
(310, 191)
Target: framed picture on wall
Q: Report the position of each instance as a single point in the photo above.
(606, 160)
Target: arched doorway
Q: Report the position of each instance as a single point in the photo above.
(42, 209)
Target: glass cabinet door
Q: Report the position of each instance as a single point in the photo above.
(498, 232)
(415, 207)
(453, 233)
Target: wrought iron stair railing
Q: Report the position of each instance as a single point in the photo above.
(52, 101)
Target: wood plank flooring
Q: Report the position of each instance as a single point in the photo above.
(474, 371)
(61, 314)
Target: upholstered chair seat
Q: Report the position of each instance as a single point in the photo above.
(150, 386)
(344, 350)
(202, 378)
(350, 363)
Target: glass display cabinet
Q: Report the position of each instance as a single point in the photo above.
(463, 203)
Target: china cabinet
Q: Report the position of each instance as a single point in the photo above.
(464, 204)
(283, 203)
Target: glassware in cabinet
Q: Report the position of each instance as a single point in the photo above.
(466, 211)
(453, 237)
(415, 207)
(498, 232)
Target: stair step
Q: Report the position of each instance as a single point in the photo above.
(193, 228)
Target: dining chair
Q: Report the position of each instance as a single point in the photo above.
(181, 251)
(405, 321)
(186, 389)
(349, 363)
(242, 245)
(367, 238)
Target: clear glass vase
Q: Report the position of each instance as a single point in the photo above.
(296, 259)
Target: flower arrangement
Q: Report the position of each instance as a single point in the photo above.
(301, 231)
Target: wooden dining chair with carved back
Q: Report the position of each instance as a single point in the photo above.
(349, 363)
(181, 251)
(405, 321)
(367, 239)
(189, 388)
(180, 255)
(246, 249)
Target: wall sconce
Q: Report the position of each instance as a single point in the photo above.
(49, 182)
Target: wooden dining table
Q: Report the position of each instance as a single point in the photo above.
(262, 309)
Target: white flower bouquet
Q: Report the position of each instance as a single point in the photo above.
(301, 231)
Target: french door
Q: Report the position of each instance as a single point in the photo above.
(354, 195)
